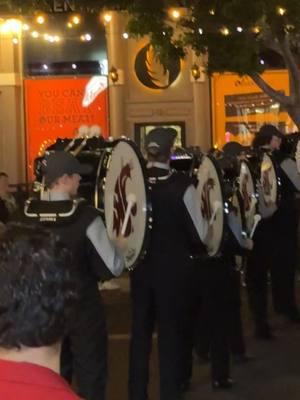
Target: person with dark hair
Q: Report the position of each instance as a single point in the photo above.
(7, 201)
(38, 295)
(95, 258)
(275, 241)
(161, 283)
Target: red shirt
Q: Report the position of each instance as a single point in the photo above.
(26, 381)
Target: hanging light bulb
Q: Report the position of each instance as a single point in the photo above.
(107, 17)
(225, 31)
(75, 19)
(281, 11)
(40, 19)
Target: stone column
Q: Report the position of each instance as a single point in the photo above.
(202, 109)
(117, 56)
(12, 131)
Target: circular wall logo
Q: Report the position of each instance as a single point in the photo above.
(151, 73)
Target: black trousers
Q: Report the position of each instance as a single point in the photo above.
(275, 255)
(84, 351)
(212, 329)
(161, 300)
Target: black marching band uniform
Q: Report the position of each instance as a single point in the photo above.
(161, 284)
(81, 228)
(219, 328)
(275, 245)
(175, 273)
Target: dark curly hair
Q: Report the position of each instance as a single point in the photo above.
(37, 293)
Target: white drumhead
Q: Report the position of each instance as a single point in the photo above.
(125, 185)
(211, 199)
(268, 180)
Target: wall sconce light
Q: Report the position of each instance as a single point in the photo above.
(113, 75)
(195, 71)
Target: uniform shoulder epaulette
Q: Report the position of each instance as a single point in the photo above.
(52, 211)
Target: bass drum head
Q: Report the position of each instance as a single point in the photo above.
(247, 188)
(211, 199)
(126, 184)
(268, 180)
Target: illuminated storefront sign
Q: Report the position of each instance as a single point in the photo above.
(240, 108)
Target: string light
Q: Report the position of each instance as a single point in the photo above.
(212, 11)
(45, 66)
(35, 34)
(107, 17)
(69, 25)
(239, 29)
(125, 35)
(40, 19)
(76, 19)
(281, 11)
(225, 31)
(200, 31)
(26, 27)
(256, 29)
(86, 37)
(175, 14)
(74, 66)
(15, 41)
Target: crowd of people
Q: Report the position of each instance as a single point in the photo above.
(52, 319)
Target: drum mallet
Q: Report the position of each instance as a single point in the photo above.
(257, 218)
(131, 200)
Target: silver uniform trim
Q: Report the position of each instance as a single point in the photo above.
(97, 234)
(156, 164)
(193, 207)
(289, 166)
(51, 215)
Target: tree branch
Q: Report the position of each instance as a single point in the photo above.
(293, 69)
(274, 94)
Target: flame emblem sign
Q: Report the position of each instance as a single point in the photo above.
(151, 73)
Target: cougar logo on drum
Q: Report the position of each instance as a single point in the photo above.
(120, 203)
(267, 186)
(246, 197)
(205, 199)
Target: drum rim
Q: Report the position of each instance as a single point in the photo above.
(145, 245)
(221, 181)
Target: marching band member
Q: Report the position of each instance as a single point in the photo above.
(219, 326)
(161, 284)
(275, 242)
(81, 229)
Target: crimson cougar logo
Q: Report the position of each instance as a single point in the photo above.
(120, 202)
(205, 199)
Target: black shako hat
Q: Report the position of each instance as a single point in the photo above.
(233, 149)
(160, 141)
(59, 163)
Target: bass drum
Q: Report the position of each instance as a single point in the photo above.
(248, 190)
(270, 181)
(213, 206)
(127, 201)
